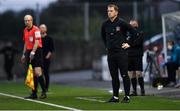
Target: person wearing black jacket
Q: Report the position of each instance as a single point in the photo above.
(135, 54)
(48, 49)
(113, 33)
(9, 53)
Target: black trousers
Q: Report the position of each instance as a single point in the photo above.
(8, 66)
(36, 62)
(171, 69)
(46, 72)
(119, 61)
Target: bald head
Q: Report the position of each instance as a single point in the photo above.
(43, 29)
(43, 26)
(28, 20)
(28, 17)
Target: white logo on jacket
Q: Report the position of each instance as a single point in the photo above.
(118, 28)
(37, 34)
(30, 38)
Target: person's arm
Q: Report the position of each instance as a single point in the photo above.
(35, 46)
(37, 36)
(131, 30)
(23, 55)
(51, 45)
(36, 43)
(51, 48)
(139, 40)
(103, 35)
(24, 49)
(34, 49)
(175, 56)
(128, 28)
(49, 54)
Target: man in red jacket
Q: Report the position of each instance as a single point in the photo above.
(32, 53)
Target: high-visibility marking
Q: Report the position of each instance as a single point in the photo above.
(41, 102)
(90, 99)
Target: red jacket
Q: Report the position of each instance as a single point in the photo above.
(30, 35)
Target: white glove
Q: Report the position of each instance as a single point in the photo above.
(32, 55)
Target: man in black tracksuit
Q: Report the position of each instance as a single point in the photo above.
(135, 54)
(114, 36)
(48, 49)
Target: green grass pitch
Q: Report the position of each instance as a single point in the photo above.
(68, 96)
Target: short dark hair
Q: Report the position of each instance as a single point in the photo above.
(171, 42)
(134, 20)
(116, 8)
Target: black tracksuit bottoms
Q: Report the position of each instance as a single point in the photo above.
(46, 72)
(119, 61)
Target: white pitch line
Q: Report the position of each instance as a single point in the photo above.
(40, 102)
(176, 101)
(90, 99)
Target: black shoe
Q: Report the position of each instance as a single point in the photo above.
(142, 93)
(133, 93)
(43, 96)
(113, 100)
(32, 96)
(126, 99)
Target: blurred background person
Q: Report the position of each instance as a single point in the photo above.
(48, 49)
(152, 64)
(158, 60)
(173, 63)
(161, 62)
(9, 53)
(135, 54)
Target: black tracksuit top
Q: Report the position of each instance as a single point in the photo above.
(114, 34)
(137, 45)
(48, 45)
